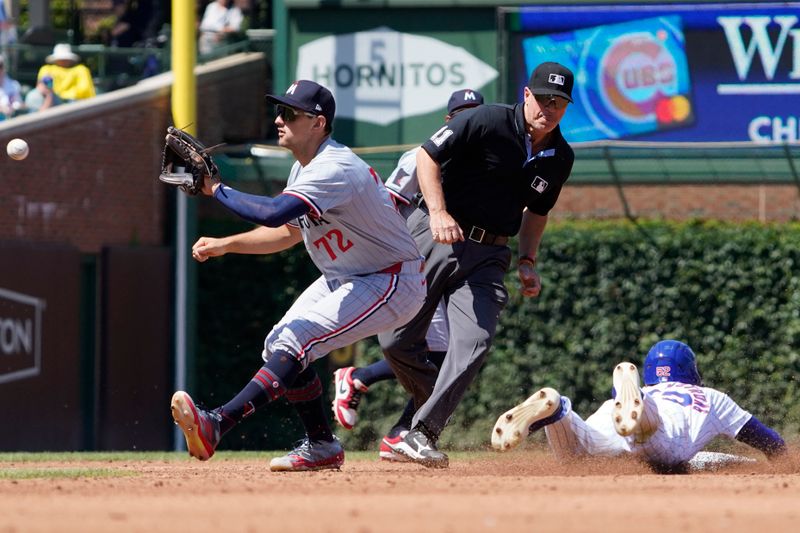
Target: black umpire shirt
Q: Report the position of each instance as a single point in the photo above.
(487, 177)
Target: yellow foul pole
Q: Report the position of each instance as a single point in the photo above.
(184, 115)
(184, 87)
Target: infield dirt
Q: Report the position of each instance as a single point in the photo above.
(524, 490)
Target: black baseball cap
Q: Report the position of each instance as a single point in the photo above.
(462, 99)
(309, 96)
(552, 78)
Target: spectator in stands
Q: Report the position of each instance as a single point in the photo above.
(71, 79)
(133, 19)
(8, 29)
(220, 19)
(10, 92)
(42, 96)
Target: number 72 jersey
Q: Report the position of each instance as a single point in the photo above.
(353, 226)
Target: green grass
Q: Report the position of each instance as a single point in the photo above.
(61, 473)
(118, 457)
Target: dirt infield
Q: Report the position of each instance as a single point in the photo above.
(520, 491)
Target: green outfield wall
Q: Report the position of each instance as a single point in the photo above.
(610, 290)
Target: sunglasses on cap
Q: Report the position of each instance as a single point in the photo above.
(289, 114)
(545, 99)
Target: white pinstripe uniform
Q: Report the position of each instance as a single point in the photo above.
(403, 186)
(689, 417)
(352, 232)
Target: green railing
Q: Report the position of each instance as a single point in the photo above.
(674, 163)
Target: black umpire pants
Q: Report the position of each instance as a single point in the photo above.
(469, 276)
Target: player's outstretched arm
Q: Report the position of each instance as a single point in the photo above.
(762, 438)
(262, 240)
(263, 210)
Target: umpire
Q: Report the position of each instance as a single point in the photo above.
(491, 172)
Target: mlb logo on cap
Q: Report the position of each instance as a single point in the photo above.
(558, 79)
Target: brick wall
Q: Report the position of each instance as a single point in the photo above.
(91, 177)
(735, 202)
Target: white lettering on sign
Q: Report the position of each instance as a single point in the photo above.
(769, 130)
(761, 43)
(20, 335)
(16, 336)
(381, 76)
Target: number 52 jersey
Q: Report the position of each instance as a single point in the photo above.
(353, 226)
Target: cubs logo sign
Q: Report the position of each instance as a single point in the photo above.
(637, 75)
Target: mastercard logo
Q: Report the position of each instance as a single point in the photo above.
(638, 80)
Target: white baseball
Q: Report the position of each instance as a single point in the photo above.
(17, 149)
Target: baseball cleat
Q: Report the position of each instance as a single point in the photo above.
(348, 396)
(387, 453)
(541, 408)
(628, 403)
(310, 455)
(200, 427)
(416, 447)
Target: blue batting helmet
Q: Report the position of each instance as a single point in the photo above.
(671, 361)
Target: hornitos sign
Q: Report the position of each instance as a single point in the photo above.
(20, 335)
(381, 75)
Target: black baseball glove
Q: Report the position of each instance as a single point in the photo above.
(185, 161)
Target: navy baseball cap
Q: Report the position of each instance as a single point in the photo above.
(552, 78)
(462, 99)
(310, 96)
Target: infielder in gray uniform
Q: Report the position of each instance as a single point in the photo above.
(490, 173)
(371, 276)
(350, 382)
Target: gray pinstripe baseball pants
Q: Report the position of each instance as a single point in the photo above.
(469, 276)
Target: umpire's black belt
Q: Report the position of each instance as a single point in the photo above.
(472, 233)
(481, 236)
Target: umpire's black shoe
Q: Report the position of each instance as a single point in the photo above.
(421, 449)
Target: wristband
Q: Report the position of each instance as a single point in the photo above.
(527, 259)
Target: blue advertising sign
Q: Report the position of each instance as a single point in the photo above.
(633, 77)
(701, 72)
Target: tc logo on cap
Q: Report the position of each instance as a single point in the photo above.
(558, 79)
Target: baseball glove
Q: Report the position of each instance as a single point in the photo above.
(185, 161)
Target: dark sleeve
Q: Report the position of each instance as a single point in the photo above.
(542, 205)
(453, 137)
(263, 210)
(762, 438)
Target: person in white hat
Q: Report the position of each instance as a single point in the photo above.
(71, 79)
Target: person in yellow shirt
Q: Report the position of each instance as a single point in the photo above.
(71, 79)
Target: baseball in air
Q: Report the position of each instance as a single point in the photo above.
(17, 149)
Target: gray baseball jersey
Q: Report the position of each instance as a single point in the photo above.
(353, 227)
(403, 183)
(689, 417)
